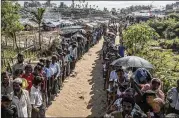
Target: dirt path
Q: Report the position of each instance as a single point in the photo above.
(82, 95)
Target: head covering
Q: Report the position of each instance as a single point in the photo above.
(17, 80)
(156, 80)
(159, 101)
(54, 57)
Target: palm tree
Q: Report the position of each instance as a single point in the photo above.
(37, 17)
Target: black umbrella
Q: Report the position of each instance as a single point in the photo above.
(132, 61)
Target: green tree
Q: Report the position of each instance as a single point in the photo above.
(10, 25)
(136, 36)
(37, 17)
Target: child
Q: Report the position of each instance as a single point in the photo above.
(157, 106)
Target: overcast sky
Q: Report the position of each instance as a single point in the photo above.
(115, 4)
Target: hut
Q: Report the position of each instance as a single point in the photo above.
(29, 25)
(51, 26)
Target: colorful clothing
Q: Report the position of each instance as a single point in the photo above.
(159, 93)
(29, 79)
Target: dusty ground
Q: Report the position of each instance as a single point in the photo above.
(82, 95)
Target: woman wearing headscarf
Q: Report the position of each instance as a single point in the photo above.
(155, 85)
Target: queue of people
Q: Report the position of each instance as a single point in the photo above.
(133, 92)
(29, 89)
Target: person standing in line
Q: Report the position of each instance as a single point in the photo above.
(20, 98)
(74, 55)
(49, 73)
(173, 98)
(155, 85)
(6, 84)
(28, 76)
(121, 49)
(18, 74)
(8, 110)
(38, 109)
(56, 73)
(20, 63)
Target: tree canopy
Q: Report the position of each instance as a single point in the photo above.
(136, 36)
(10, 18)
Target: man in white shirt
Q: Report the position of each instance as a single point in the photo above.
(56, 73)
(38, 109)
(20, 98)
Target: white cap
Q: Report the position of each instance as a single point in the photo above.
(17, 80)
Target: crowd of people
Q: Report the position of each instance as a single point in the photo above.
(132, 92)
(29, 89)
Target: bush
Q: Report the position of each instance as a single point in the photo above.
(137, 35)
(174, 16)
(166, 67)
(166, 28)
(158, 26)
(170, 44)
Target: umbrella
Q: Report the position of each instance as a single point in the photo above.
(132, 61)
